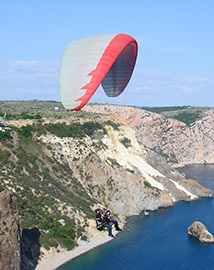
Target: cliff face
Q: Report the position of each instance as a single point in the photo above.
(179, 143)
(30, 248)
(113, 175)
(118, 171)
(9, 232)
(123, 165)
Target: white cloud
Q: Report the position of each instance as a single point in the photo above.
(165, 85)
(29, 79)
(22, 63)
(25, 71)
(191, 84)
(29, 66)
(195, 79)
(185, 88)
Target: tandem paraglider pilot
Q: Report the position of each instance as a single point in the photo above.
(104, 220)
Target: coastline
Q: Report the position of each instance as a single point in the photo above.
(57, 260)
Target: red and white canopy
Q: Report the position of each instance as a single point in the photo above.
(108, 60)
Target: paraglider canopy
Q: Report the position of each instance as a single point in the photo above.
(108, 60)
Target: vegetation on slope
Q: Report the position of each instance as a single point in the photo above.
(48, 194)
(185, 114)
(51, 109)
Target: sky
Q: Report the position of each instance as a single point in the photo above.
(175, 47)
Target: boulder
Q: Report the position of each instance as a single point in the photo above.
(199, 230)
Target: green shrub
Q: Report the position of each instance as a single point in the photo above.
(4, 155)
(5, 135)
(24, 133)
(126, 142)
(188, 117)
(75, 130)
(165, 109)
(147, 184)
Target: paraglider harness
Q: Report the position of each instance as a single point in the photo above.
(99, 225)
(99, 220)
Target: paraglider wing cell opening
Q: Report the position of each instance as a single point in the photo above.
(120, 73)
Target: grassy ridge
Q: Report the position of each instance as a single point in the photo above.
(185, 114)
(36, 109)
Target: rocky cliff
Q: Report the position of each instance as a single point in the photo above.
(144, 180)
(179, 143)
(9, 232)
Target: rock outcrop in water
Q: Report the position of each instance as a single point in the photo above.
(199, 230)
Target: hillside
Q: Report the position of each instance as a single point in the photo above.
(185, 114)
(179, 143)
(62, 165)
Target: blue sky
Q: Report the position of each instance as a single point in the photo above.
(175, 39)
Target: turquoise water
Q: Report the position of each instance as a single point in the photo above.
(159, 241)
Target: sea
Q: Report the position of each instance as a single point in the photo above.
(159, 241)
